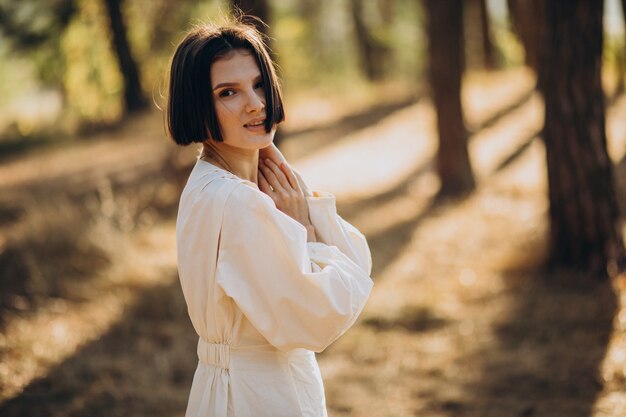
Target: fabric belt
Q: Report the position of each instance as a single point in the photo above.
(214, 354)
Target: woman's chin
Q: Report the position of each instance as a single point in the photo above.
(265, 140)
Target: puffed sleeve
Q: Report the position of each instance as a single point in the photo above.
(297, 294)
(335, 231)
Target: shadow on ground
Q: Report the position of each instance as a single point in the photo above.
(548, 350)
(143, 366)
(550, 347)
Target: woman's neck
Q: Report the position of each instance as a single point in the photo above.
(243, 163)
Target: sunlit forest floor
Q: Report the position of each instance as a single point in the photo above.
(463, 320)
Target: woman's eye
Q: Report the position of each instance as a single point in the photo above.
(226, 93)
(259, 85)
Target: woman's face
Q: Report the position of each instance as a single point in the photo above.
(239, 97)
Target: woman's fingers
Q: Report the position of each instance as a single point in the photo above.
(293, 181)
(269, 176)
(275, 182)
(273, 153)
(264, 185)
(278, 174)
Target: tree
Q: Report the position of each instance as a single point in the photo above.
(35, 27)
(526, 18)
(133, 95)
(480, 51)
(621, 58)
(446, 64)
(373, 52)
(489, 57)
(585, 226)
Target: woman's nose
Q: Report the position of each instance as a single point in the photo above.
(256, 102)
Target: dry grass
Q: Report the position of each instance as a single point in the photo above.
(463, 320)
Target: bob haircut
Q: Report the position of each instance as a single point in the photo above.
(191, 115)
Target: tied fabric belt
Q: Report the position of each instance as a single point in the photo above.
(214, 354)
(228, 357)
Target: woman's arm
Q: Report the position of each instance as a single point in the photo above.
(280, 183)
(296, 294)
(322, 219)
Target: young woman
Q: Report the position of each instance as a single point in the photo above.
(270, 273)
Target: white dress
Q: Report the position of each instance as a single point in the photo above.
(261, 298)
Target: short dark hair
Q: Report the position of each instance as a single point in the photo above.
(191, 113)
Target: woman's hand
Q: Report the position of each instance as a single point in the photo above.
(275, 155)
(272, 153)
(280, 183)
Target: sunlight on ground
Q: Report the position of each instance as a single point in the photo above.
(34, 344)
(375, 158)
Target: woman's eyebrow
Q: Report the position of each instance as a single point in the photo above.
(235, 84)
(220, 85)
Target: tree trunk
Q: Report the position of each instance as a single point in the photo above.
(526, 18)
(584, 216)
(489, 58)
(372, 52)
(446, 64)
(621, 71)
(257, 8)
(133, 95)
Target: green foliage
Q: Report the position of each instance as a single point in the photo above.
(32, 23)
(614, 50)
(510, 48)
(92, 82)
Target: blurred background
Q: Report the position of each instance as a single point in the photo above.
(479, 144)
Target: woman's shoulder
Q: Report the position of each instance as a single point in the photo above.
(245, 196)
(212, 186)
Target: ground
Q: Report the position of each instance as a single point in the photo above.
(464, 320)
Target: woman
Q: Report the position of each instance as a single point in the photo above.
(270, 273)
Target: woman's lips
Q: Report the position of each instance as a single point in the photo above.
(257, 125)
(255, 122)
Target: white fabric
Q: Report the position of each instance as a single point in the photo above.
(261, 298)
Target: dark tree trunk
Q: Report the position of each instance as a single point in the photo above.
(133, 95)
(526, 18)
(621, 70)
(446, 64)
(489, 58)
(480, 51)
(584, 217)
(372, 52)
(257, 8)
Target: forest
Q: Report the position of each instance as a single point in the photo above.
(479, 145)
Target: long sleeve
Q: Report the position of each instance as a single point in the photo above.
(296, 294)
(335, 231)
